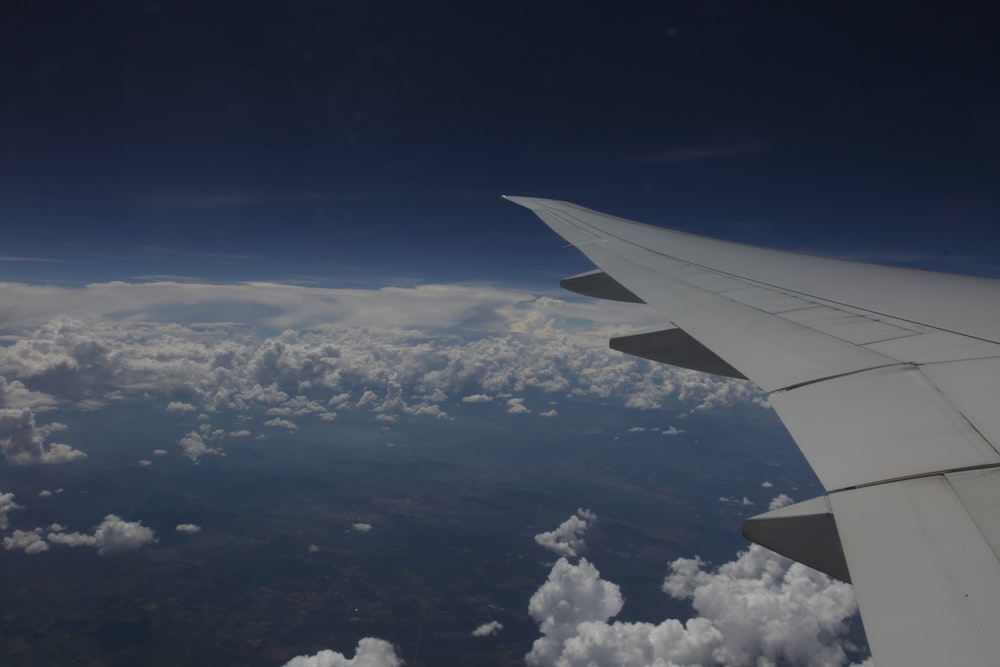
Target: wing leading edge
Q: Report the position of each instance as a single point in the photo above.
(888, 379)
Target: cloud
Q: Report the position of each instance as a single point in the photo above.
(392, 352)
(25, 441)
(282, 423)
(515, 406)
(567, 539)
(766, 485)
(780, 501)
(194, 446)
(549, 413)
(744, 501)
(760, 609)
(44, 493)
(371, 652)
(112, 535)
(16, 395)
(361, 527)
(488, 629)
(673, 430)
(188, 528)
(159, 452)
(7, 504)
(572, 595)
(29, 541)
(313, 548)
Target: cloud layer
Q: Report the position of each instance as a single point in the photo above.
(425, 351)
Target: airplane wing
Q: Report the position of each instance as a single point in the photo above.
(887, 378)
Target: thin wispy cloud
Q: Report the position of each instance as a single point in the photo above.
(699, 153)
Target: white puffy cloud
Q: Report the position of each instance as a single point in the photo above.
(188, 528)
(24, 443)
(113, 534)
(28, 541)
(371, 652)
(16, 395)
(780, 501)
(488, 629)
(145, 463)
(361, 527)
(194, 446)
(572, 595)
(766, 485)
(159, 452)
(567, 539)
(673, 430)
(44, 493)
(759, 610)
(515, 406)
(549, 413)
(6, 505)
(393, 352)
(278, 422)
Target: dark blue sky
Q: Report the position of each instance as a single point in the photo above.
(370, 141)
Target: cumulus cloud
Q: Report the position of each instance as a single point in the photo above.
(488, 629)
(7, 504)
(188, 528)
(758, 610)
(25, 441)
(159, 452)
(567, 539)
(194, 446)
(673, 430)
(371, 652)
(28, 541)
(392, 352)
(766, 485)
(780, 501)
(361, 527)
(112, 535)
(573, 595)
(549, 413)
(14, 395)
(281, 423)
(301, 373)
(515, 406)
(44, 493)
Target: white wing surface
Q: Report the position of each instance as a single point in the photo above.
(889, 381)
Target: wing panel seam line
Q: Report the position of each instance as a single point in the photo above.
(772, 286)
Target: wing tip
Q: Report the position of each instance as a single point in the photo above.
(533, 203)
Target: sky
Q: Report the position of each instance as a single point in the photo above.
(351, 141)
(248, 237)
